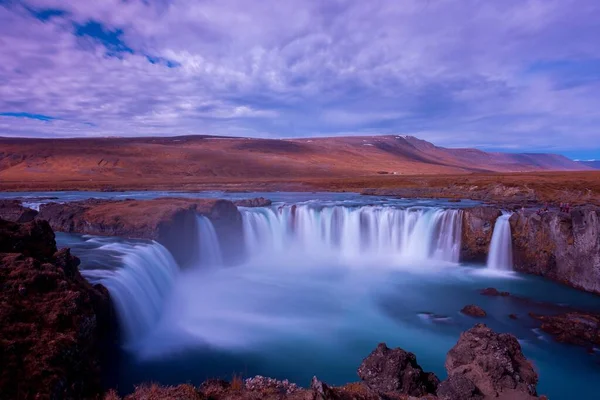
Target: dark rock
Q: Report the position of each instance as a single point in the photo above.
(49, 332)
(171, 221)
(458, 387)
(255, 202)
(493, 362)
(576, 328)
(321, 391)
(12, 210)
(396, 370)
(493, 292)
(477, 229)
(559, 246)
(473, 311)
(512, 316)
(32, 239)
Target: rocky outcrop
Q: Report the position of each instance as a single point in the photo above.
(578, 328)
(559, 246)
(494, 292)
(53, 323)
(493, 362)
(12, 210)
(32, 239)
(255, 202)
(395, 370)
(473, 311)
(171, 221)
(477, 228)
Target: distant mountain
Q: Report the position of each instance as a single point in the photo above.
(211, 159)
(595, 164)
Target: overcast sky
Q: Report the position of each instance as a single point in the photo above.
(510, 75)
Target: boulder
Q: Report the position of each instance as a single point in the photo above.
(395, 370)
(473, 311)
(493, 292)
(493, 362)
(458, 387)
(12, 210)
(564, 247)
(579, 328)
(477, 228)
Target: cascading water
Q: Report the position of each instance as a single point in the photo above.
(500, 257)
(139, 288)
(354, 232)
(209, 250)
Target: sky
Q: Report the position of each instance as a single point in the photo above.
(505, 75)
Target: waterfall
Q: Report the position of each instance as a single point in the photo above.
(354, 232)
(500, 256)
(209, 250)
(139, 288)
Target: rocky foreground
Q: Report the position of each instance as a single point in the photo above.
(53, 324)
(482, 365)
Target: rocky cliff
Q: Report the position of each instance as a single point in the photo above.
(564, 247)
(477, 228)
(171, 221)
(53, 323)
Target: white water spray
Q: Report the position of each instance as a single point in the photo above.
(500, 257)
(354, 232)
(209, 249)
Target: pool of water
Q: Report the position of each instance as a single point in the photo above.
(295, 317)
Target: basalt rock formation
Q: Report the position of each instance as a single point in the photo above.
(477, 228)
(578, 328)
(395, 370)
(493, 362)
(171, 221)
(53, 323)
(564, 247)
(12, 210)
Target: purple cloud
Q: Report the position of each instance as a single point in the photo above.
(512, 75)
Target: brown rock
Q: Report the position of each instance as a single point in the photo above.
(396, 370)
(458, 387)
(577, 328)
(493, 362)
(171, 221)
(32, 239)
(477, 228)
(49, 332)
(473, 311)
(12, 210)
(559, 246)
(493, 292)
(255, 202)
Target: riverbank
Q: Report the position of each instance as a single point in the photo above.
(500, 188)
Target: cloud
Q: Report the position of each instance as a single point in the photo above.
(514, 75)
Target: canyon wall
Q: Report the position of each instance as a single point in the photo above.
(564, 247)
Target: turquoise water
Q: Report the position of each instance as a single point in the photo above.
(292, 321)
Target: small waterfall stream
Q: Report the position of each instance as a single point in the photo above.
(500, 256)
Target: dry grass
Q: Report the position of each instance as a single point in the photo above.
(237, 383)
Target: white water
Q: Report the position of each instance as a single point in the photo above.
(500, 257)
(139, 289)
(353, 233)
(209, 249)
